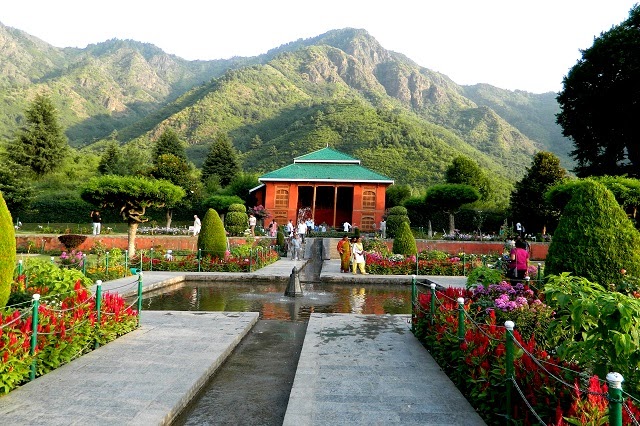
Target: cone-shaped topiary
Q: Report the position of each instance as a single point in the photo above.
(7, 252)
(404, 242)
(595, 239)
(212, 239)
(280, 241)
(236, 219)
(396, 216)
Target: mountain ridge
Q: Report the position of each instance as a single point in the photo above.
(130, 91)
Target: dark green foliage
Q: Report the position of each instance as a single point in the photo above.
(212, 239)
(16, 189)
(418, 214)
(528, 203)
(404, 242)
(131, 196)
(221, 161)
(396, 195)
(280, 241)
(599, 102)
(396, 216)
(7, 252)
(41, 145)
(465, 171)
(240, 186)
(449, 198)
(71, 241)
(65, 206)
(236, 220)
(595, 239)
(356, 232)
(110, 160)
(169, 143)
(221, 203)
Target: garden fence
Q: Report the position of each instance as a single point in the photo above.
(68, 314)
(458, 317)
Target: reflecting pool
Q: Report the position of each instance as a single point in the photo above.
(268, 299)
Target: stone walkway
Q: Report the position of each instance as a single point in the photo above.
(354, 369)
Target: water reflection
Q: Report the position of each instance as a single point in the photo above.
(270, 302)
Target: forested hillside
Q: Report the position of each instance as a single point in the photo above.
(340, 89)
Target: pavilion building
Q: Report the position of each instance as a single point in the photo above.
(335, 188)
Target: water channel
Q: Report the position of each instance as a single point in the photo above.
(252, 387)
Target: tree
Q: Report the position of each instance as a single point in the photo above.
(41, 145)
(595, 239)
(396, 195)
(236, 220)
(7, 252)
(15, 188)
(404, 242)
(240, 186)
(449, 198)
(169, 143)
(395, 218)
(131, 197)
(528, 204)
(598, 103)
(110, 160)
(221, 161)
(212, 239)
(177, 171)
(465, 171)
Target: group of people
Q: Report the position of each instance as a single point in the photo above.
(352, 255)
(346, 227)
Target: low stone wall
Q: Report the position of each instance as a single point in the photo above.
(48, 242)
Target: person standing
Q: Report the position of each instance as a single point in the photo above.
(519, 264)
(273, 228)
(296, 244)
(197, 225)
(289, 228)
(358, 257)
(96, 221)
(302, 230)
(252, 224)
(344, 248)
(346, 227)
(383, 229)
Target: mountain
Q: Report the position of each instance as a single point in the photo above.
(341, 89)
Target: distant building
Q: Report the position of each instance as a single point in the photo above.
(332, 184)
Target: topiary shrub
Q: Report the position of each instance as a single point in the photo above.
(404, 242)
(212, 239)
(7, 252)
(71, 241)
(395, 217)
(280, 241)
(236, 220)
(595, 239)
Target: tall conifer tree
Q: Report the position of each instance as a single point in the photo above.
(222, 161)
(41, 144)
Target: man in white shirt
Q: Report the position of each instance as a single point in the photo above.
(302, 230)
(346, 227)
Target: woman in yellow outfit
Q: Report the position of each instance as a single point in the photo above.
(358, 257)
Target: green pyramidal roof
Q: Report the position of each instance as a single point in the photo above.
(325, 165)
(326, 155)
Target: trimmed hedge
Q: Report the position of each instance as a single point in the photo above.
(236, 220)
(595, 239)
(212, 239)
(396, 216)
(7, 252)
(404, 242)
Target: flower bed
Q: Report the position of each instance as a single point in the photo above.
(67, 328)
(477, 363)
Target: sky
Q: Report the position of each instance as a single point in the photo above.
(510, 44)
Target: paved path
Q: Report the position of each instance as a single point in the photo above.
(354, 369)
(370, 370)
(143, 378)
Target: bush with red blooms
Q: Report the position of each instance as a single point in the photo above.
(477, 365)
(67, 328)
